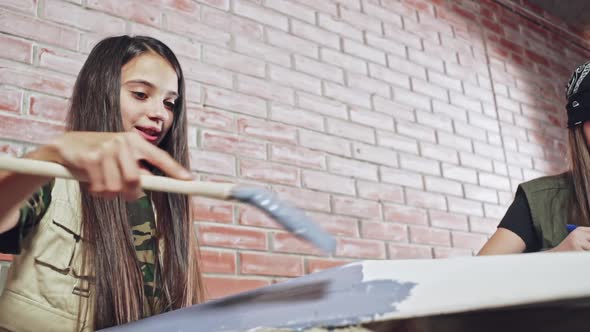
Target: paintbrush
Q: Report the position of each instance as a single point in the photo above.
(290, 217)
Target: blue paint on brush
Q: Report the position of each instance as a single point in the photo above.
(292, 218)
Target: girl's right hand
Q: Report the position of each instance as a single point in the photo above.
(577, 240)
(109, 161)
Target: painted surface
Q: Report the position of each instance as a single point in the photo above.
(384, 291)
(462, 284)
(336, 297)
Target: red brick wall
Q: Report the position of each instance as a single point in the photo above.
(402, 127)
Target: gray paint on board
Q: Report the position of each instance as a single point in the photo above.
(331, 298)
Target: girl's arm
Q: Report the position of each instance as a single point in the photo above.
(17, 188)
(110, 162)
(516, 232)
(503, 242)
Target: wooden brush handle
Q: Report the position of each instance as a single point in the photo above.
(148, 182)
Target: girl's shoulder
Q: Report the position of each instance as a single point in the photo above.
(550, 182)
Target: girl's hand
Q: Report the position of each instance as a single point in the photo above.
(110, 161)
(577, 240)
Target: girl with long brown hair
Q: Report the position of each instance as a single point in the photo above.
(552, 213)
(105, 253)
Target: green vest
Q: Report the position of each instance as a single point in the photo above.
(548, 200)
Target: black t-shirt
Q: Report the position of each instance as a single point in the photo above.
(519, 220)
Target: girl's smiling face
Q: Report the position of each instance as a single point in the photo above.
(149, 89)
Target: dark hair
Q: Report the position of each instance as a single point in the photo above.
(109, 251)
(579, 172)
(576, 93)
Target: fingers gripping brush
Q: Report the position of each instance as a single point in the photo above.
(293, 219)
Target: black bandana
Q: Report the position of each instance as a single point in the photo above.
(577, 93)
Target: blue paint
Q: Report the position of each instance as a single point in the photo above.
(292, 218)
(332, 298)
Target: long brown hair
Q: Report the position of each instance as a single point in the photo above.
(109, 251)
(579, 160)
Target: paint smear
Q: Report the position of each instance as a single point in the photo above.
(332, 298)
